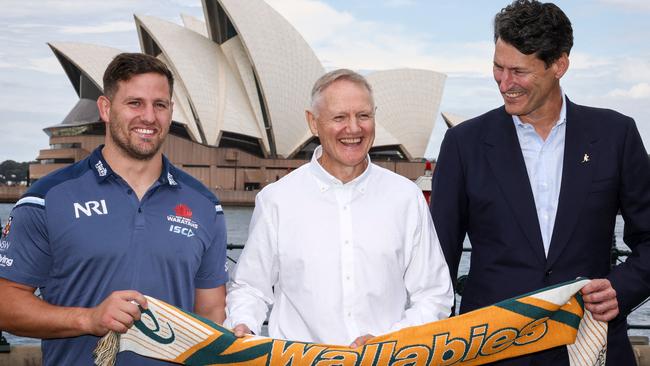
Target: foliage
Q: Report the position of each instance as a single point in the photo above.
(13, 171)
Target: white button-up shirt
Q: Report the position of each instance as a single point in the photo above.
(544, 160)
(338, 261)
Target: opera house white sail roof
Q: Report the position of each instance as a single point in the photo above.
(244, 77)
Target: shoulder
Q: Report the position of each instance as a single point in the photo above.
(189, 182)
(387, 179)
(39, 190)
(475, 127)
(598, 115)
(291, 182)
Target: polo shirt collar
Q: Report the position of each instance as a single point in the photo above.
(102, 170)
(326, 181)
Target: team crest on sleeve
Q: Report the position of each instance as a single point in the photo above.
(7, 227)
(182, 222)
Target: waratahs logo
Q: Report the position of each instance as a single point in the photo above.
(183, 211)
(5, 230)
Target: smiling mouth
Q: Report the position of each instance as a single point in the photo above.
(513, 94)
(144, 132)
(350, 141)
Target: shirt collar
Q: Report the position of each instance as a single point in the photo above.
(560, 121)
(327, 181)
(102, 170)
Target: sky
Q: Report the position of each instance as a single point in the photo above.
(610, 60)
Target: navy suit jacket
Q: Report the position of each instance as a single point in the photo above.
(481, 188)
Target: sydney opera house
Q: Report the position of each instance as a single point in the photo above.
(243, 79)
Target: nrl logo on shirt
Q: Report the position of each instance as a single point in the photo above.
(183, 216)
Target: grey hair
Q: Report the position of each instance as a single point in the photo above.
(335, 75)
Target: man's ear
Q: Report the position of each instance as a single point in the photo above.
(311, 121)
(104, 106)
(561, 66)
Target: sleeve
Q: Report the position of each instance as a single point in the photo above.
(631, 279)
(449, 202)
(212, 272)
(250, 292)
(426, 279)
(25, 250)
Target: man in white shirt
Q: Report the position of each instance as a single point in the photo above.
(341, 248)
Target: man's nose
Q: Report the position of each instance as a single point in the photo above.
(353, 124)
(148, 114)
(505, 81)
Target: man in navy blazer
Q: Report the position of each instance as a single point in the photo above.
(537, 185)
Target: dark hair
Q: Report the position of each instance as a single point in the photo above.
(535, 28)
(126, 65)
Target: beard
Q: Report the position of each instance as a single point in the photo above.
(138, 152)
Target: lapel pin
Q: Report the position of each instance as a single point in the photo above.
(585, 159)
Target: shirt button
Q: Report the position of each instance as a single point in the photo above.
(347, 242)
(347, 278)
(345, 207)
(349, 315)
(129, 191)
(549, 272)
(139, 209)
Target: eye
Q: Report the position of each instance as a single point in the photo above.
(134, 103)
(338, 118)
(363, 117)
(161, 105)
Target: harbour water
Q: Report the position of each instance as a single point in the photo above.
(238, 218)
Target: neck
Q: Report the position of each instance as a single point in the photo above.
(344, 174)
(545, 118)
(138, 174)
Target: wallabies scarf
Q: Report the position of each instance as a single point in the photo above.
(551, 317)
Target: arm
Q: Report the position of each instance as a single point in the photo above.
(24, 314)
(449, 202)
(426, 278)
(631, 279)
(250, 291)
(211, 303)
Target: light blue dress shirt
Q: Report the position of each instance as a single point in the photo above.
(544, 166)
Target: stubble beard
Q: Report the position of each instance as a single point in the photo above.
(134, 151)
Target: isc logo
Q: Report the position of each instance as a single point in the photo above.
(181, 230)
(90, 207)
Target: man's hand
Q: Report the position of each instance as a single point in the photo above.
(600, 299)
(117, 313)
(361, 340)
(241, 330)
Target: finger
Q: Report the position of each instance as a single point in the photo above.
(607, 316)
(117, 326)
(600, 296)
(241, 330)
(596, 285)
(602, 307)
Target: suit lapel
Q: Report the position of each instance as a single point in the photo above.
(504, 156)
(577, 171)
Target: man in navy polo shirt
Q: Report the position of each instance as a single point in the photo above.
(97, 235)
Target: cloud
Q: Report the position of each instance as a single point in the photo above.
(109, 27)
(339, 39)
(398, 3)
(638, 91)
(636, 5)
(48, 65)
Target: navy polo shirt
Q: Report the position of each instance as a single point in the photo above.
(81, 233)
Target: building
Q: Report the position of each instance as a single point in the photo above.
(242, 83)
